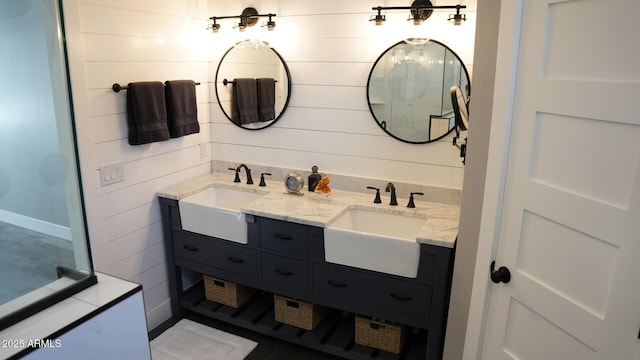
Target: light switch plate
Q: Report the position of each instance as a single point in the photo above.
(111, 174)
(204, 150)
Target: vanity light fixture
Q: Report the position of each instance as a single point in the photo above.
(215, 26)
(270, 24)
(420, 11)
(457, 18)
(379, 18)
(249, 17)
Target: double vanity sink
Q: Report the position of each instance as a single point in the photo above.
(357, 232)
(373, 240)
(216, 212)
(342, 252)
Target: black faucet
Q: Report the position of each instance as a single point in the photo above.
(237, 170)
(262, 182)
(377, 199)
(392, 189)
(247, 170)
(411, 204)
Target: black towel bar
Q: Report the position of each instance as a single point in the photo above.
(225, 82)
(117, 87)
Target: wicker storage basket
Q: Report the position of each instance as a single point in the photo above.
(226, 292)
(298, 313)
(380, 335)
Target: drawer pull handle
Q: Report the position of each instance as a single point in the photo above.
(337, 284)
(283, 271)
(283, 237)
(190, 248)
(293, 304)
(236, 260)
(401, 297)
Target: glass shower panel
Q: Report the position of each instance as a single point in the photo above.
(45, 255)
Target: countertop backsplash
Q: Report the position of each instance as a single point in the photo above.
(435, 194)
(315, 209)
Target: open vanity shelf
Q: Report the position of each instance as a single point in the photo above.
(286, 258)
(334, 335)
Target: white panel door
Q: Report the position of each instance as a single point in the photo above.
(569, 228)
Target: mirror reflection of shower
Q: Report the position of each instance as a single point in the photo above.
(408, 90)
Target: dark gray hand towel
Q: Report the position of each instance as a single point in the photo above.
(245, 101)
(146, 112)
(266, 98)
(182, 109)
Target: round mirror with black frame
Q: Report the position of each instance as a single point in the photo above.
(253, 85)
(409, 86)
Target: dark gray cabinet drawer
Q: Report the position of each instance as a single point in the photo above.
(372, 289)
(218, 253)
(285, 271)
(285, 238)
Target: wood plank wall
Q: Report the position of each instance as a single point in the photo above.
(127, 41)
(329, 47)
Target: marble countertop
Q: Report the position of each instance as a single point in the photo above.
(315, 209)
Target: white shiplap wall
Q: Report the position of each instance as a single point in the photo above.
(127, 41)
(330, 47)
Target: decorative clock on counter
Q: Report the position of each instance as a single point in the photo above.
(294, 183)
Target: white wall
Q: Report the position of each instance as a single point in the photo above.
(127, 41)
(329, 46)
(474, 181)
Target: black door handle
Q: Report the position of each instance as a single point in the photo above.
(401, 297)
(337, 284)
(501, 275)
(190, 248)
(234, 259)
(283, 271)
(283, 236)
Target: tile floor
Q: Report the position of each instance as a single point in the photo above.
(28, 260)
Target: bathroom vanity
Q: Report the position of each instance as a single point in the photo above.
(284, 253)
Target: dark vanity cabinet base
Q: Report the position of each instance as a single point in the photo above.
(288, 259)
